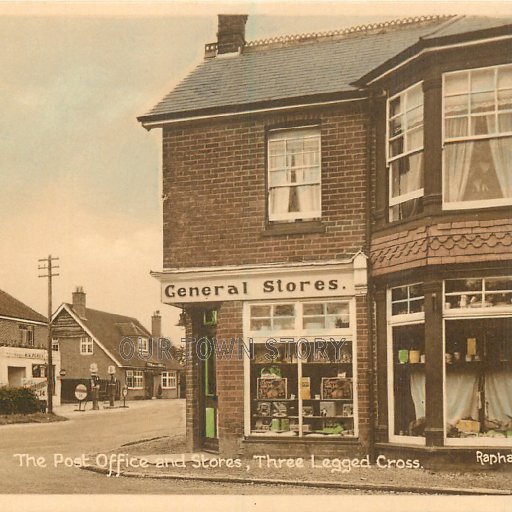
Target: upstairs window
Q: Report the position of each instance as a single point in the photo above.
(27, 335)
(294, 174)
(86, 346)
(405, 153)
(55, 344)
(477, 148)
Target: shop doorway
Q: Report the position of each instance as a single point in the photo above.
(15, 375)
(208, 394)
(149, 380)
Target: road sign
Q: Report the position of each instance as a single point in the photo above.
(125, 390)
(80, 392)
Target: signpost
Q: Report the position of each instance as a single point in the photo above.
(81, 395)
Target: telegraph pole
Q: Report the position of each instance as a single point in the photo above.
(47, 264)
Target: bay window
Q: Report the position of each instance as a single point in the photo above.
(477, 148)
(294, 174)
(405, 153)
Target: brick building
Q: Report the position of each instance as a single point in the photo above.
(23, 348)
(286, 164)
(142, 359)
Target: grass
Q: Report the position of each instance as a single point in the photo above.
(38, 417)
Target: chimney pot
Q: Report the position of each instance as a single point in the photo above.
(231, 32)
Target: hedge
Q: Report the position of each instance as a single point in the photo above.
(15, 400)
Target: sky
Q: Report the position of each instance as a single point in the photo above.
(80, 177)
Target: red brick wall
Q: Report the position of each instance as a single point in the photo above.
(10, 333)
(214, 181)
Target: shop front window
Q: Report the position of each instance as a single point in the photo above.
(405, 153)
(478, 361)
(478, 137)
(135, 379)
(294, 174)
(406, 370)
(301, 379)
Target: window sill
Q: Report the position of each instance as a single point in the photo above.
(294, 228)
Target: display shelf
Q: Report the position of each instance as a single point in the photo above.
(274, 399)
(327, 399)
(271, 417)
(327, 417)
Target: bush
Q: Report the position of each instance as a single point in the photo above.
(18, 401)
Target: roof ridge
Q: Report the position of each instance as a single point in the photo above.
(346, 31)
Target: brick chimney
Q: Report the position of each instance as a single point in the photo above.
(231, 33)
(156, 325)
(79, 301)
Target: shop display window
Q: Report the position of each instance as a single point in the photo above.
(478, 381)
(302, 385)
(406, 356)
(473, 294)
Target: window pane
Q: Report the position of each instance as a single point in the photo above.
(414, 117)
(482, 80)
(399, 308)
(504, 77)
(505, 124)
(505, 99)
(399, 293)
(395, 107)
(498, 283)
(395, 126)
(284, 310)
(313, 309)
(456, 127)
(260, 311)
(407, 174)
(456, 83)
(335, 308)
(315, 322)
(283, 323)
(415, 139)
(310, 175)
(311, 144)
(416, 290)
(276, 147)
(463, 285)
(277, 162)
(278, 178)
(482, 125)
(414, 96)
(416, 306)
(262, 324)
(406, 209)
(397, 147)
(482, 102)
(456, 105)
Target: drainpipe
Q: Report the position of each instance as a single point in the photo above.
(370, 164)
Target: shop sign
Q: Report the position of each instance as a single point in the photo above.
(25, 355)
(177, 289)
(80, 392)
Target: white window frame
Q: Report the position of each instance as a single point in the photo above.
(350, 334)
(55, 345)
(390, 159)
(143, 345)
(398, 321)
(290, 134)
(169, 379)
(135, 379)
(86, 346)
(469, 314)
(27, 335)
(485, 203)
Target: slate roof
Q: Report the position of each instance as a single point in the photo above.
(294, 67)
(11, 307)
(109, 329)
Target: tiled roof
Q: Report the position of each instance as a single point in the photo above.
(290, 67)
(11, 307)
(109, 329)
(449, 242)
